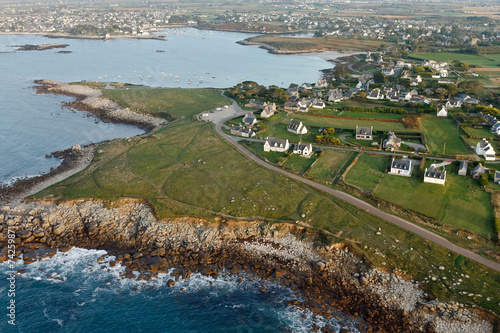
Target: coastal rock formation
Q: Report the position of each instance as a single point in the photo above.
(40, 47)
(328, 280)
(89, 99)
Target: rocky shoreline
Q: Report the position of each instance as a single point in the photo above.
(89, 99)
(74, 159)
(330, 281)
(274, 50)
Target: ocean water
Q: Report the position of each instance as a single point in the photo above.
(71, 292)
(33, 125)
(90, 299)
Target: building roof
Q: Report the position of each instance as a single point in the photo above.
(403, 164)
(294, 125)
(434, 172)
(273, 142)
(364, 130)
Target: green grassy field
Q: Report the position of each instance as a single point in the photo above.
(441, 131)
(367, 171)
(471, 59)
(258, 149)
(300, 164)
(167, 103)
(371, 115)
(460, 203)
(331, 164)
(348, 123)
(478, 132)
(186, 169)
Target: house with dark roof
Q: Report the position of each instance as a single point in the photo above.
(478, 171)
(242, 131)
(249, 119)
(276, 145)
(296, 127)
(435, 175)
(364, 133)
(401, 167)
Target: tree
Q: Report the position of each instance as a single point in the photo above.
(452, 90)
(470, 87)
(464, 66)
(483, 180)
(379, 77)
(362, 95)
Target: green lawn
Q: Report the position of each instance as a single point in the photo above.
(367, 171)
(441, 131)
(331, 164)
(372, 115)
(472, 59)
(479, 132)
(460, 203)
(300, 164)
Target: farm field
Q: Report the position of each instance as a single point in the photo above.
(478, 132)
(372, 115)
(331, 164)
(367, 171)
(441, 131)
(349, 123)
(460, 203)
(471, 59)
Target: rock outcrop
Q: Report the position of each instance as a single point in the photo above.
(328, 280)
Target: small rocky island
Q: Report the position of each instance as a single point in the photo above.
(40, 47)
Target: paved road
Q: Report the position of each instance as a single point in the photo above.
(360, 203)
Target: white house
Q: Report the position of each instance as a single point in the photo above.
(442, 112)
(296, 127)
(434, 175)
(485, 149)
(276, 145)
(401, 167)
(303, 149)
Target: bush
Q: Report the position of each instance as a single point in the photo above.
(483, 181)
(497, 224)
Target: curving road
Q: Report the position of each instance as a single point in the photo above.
(352, 200)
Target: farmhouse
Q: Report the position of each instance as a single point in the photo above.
(462, 169)
(478, 171)
(364, 133)
(485, 149)
(392, 142)
(268, 111)
(335, 96)
(249, 119)
(296, 127)
(434, 175)
(276, 145)
(242, 131)
(401, 167)
(303, 149)
(442, 112)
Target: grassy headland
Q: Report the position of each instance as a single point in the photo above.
(186, 169)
